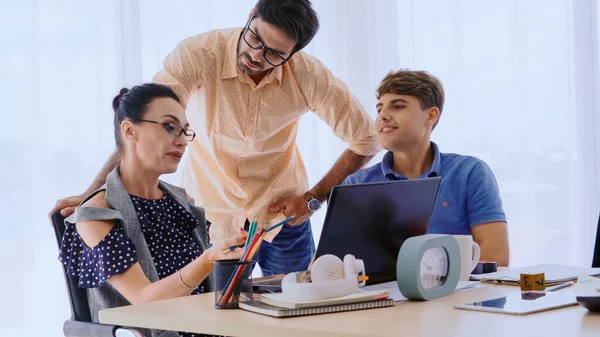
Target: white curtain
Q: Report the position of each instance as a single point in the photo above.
(521, 81)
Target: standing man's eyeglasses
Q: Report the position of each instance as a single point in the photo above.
(253, 41)
(172, 128)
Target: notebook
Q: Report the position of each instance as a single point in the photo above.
(280, 300)
(554, 273)
(269, 310)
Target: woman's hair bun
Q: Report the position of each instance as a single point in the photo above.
(117, 100)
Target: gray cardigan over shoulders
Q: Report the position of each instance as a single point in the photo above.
(123, 211)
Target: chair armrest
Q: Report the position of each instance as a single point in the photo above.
(73, 328)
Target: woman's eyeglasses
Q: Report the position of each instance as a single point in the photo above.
(172, 128)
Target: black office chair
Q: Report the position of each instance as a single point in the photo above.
(80, 324)
(596, 258)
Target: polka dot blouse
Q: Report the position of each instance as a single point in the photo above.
(166, 226)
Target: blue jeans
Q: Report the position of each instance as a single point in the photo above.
(291, 250)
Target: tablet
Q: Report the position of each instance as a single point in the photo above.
(522, 303)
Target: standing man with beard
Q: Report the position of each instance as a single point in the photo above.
(245, 90)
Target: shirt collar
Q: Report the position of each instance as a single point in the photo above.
(436, 166)
(230, 68)
(386, 166)
(388, 161)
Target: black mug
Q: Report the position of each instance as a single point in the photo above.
(233, 283)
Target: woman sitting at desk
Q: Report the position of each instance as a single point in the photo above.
(138, 239)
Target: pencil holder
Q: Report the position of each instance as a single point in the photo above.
(233, 283)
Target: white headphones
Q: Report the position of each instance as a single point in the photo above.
(330, 277)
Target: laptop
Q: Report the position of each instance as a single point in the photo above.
(372, 221)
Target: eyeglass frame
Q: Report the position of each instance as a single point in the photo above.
(166, 124)
(263, 46)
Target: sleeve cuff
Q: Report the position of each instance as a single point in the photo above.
(366, 147)
(498, 217)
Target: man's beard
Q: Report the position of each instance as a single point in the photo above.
(242, 65)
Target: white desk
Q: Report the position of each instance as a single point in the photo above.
(434, 318)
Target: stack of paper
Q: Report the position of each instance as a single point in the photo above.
(554, 273)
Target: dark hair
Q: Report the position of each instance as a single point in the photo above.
(421, 84)
(295, 17)
(132, 104)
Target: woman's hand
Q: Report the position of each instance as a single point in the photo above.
(221, 250)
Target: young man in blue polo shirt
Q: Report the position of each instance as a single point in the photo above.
(409, 107)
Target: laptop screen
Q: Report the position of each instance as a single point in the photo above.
(371, 221)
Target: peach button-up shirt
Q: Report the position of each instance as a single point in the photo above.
(245, 156)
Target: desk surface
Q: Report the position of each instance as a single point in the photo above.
(432, 318)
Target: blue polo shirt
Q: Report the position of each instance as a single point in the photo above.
(468, 194)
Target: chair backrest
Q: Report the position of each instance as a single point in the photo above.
(596, 258)
(80, 311)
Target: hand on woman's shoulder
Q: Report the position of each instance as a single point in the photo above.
(93, 231)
